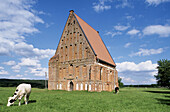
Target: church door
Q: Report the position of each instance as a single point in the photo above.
(71, 86)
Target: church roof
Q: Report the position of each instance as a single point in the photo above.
(95, 41)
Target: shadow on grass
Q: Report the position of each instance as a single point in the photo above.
(163, 92)
(32, 101)
(167, 96)
(164, 101)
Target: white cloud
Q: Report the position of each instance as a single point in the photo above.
(156, 2)
(3, 72)
(5, 46)
(133, 32)
(33, 66)
(17, 20)
(17, 71)
(131, 66)
(1, 68)
(141, 73)
(19, 75)
(130, 18)
(27, 50)
(147, 52)
(38, 71)
(99, 7)
(162, 31)
(28, 62)
(24, 49)
(113, 33)
(9, 63)
(143, 45)
(16, 67)
(127, 45)
(121, 27)
(44, 53)
(120, 57)
(128, 80)
(123, 4)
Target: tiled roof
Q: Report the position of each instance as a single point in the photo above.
(95, 41)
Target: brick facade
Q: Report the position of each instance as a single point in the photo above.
(75, 66)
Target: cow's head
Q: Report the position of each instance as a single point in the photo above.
(11, 101)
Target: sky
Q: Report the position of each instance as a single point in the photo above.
(136, 33)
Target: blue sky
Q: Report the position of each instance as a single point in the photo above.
(136, 32)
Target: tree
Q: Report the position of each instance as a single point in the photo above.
(163, 77)
(119, 81)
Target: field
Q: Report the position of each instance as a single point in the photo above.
(128, 100)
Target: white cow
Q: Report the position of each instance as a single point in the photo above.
(22, 90)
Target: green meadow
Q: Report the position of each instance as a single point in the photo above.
(128, 100)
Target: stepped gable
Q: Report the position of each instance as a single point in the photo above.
(95, 41)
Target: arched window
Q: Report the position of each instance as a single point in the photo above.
(77, 86)
(60, 86)
(85, 86)
(81, 87)
(57, 85)
(95, 87)
(89, 87)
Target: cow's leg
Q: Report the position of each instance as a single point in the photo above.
(20, 100)
(26, 99)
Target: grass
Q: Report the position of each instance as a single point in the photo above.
(128, 100)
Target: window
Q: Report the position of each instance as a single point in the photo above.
(90, 73)
(85, 86)
(95, 87)
(89, 87)
(60, 86)
(57, 85)
(101, 70)
(81, 87)
(77, 86)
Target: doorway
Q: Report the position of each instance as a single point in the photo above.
(71, 86)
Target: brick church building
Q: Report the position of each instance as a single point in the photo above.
(81, 61)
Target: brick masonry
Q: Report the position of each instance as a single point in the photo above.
(75, 66)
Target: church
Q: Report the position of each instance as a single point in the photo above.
(81, 61)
